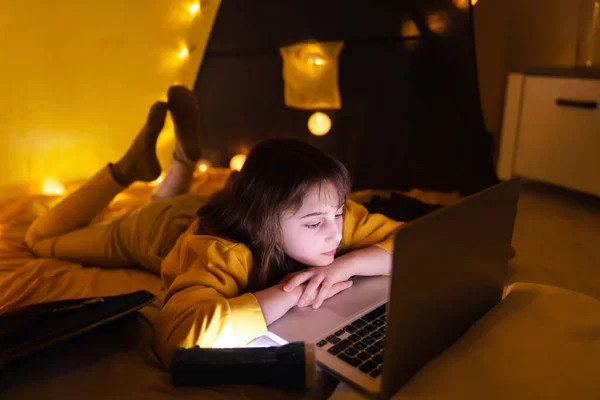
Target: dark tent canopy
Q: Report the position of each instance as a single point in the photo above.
(410, 115)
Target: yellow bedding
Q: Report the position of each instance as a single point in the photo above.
(122, 354)
(25, 279)
(116, 361)
(539, 342)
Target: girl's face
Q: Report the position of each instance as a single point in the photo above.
(312, 234)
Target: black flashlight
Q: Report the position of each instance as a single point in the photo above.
(292, 366)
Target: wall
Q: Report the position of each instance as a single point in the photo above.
(512, 35)
(490, 19)
(542, 33)
(77, 79)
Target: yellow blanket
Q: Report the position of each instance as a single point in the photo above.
(25, 279)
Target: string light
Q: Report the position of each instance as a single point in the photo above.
(184, 53)
(203, 165)
(409, 29)
(194, 8)
(464, 4)
(437, 22)
(52, 187)
(319, 124)
(237, 162)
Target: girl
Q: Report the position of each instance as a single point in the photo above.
(237, 261)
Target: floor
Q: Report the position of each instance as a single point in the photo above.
(557, 239)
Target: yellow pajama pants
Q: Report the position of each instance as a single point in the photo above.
(141, 238)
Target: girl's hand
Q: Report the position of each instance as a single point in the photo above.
(323, 283)
(335, 289)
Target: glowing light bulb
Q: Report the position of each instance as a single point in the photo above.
(409, 28)
(237, 162)
(52, 187)
(319, 124)
(194, 8)
(464, 4)
(184, 53)
(315, 59)
(203, 165)
(437, 22)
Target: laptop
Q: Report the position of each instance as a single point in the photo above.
(449, 270)
(33, 328)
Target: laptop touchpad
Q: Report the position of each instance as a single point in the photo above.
(310, 325)
(363, 294)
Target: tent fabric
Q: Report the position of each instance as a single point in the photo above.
(410, 116)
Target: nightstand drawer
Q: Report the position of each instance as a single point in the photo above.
(558, 138)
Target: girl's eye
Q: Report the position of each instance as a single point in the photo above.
(313, 226)
(339, 215)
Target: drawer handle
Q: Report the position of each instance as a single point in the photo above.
(588, 105)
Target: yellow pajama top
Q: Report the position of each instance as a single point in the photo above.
(206, 275)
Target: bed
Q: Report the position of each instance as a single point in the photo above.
(118, 361)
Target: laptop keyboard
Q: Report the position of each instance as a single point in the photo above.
(360, 343)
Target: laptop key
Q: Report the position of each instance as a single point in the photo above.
(363, 356)
(350, 328)
(340, 332)
(373, 350)
(376, 313)
(379, 322)
(368, 366)
(370, 328)
(341, 346)
(362, 332)
(375, 373)
(344, 357)
(382, 329)
(355, 362)
(358, 323)
(353, 338)
(351, 351)
(379, 344)
(322, 343)
(360, 346)
(368, 340)
(376, 335)
(378, 358)
(333, 339)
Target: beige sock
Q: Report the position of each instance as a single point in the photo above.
(186, 118)
(140, 162)
(177, 181)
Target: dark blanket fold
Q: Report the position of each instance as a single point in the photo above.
(403, 208)
(400, 207)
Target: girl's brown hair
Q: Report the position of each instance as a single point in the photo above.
(275, 178)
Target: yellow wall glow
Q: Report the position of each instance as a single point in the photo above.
(77, 79)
